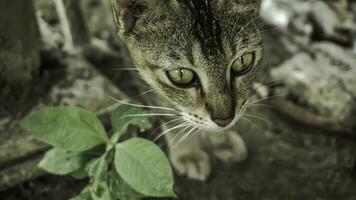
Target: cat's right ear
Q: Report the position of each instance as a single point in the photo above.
(128, 12)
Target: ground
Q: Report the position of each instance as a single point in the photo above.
(287, 159)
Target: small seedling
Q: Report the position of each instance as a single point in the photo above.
(117, 170)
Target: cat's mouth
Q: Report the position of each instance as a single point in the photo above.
(206, 124)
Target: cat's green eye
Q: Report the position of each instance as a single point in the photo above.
(181, 77)
(243, 64)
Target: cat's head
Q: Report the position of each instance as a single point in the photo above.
(199, 54)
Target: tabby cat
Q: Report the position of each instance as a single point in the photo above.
(200, 56)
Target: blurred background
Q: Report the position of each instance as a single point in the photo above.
(300, 135)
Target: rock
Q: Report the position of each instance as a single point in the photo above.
(288, 15)
(307, 20)
(325, 18)
(81, 85)
(19, 43)
(323, 79)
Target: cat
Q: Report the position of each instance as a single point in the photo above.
(201, 57)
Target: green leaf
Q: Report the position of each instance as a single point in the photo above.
(121, 119)
(98, 168)
(121, 190)
(66, 127)
(79, 174)
(62, 162)
(144, 167)
(100, 191)
(84, 195)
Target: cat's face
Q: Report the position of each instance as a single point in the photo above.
(199, 54)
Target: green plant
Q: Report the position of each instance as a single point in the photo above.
(128, 170)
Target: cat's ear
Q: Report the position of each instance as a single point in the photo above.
(127, 12)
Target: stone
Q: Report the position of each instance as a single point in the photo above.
(19, 42)
(324, 79)
(325, 18)
(288, 15)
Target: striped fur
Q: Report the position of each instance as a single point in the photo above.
(205, 36)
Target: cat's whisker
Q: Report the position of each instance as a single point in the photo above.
(125, 69)
(181, 132)
(206, 135)
(150, 114)
(257, 117)
(267, 85)
(178, 137)
(261, 32)
(262, 105)
(170, 129)
(197, 132)
(191, 134)
(251, 108)
(144, 106)
(146, 92)
(246, 25)
(264, 99)
(269, 29)
(249, 121)
(270, 83)
(184, 137)
(175, 121)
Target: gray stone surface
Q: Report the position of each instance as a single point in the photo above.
(82, 86)
(19, 42)
(287, 160)
(324, 79)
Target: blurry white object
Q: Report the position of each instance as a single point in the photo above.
(276, 12)
(325, 17)
(324, 79)
(287, 14)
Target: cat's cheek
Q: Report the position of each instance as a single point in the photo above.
(187, 99)
(240, 85)
(242, 91)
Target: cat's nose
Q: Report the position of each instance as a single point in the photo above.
(223, 122)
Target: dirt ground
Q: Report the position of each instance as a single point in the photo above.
(287, 160)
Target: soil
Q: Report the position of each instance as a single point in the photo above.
(287, 160)
(17, 100)
(51, 71)
(44, 188)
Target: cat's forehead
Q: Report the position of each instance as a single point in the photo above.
(205, 25)
(196, 28)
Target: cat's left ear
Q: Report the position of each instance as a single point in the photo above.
(128, 12)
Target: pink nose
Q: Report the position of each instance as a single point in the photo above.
(223, 122)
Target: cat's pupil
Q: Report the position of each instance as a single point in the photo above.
(243, 64)
(181, 74)
(181, 77)
(242, 60)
